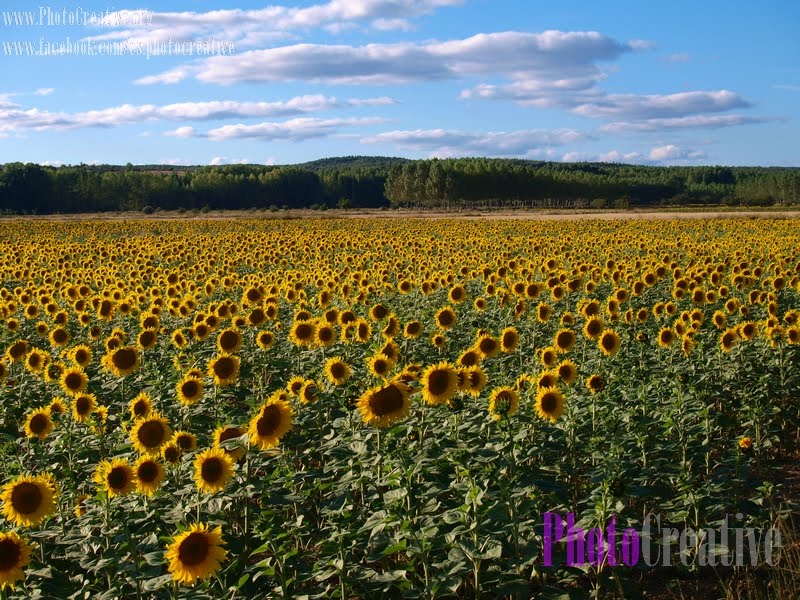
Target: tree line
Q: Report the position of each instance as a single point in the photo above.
(371, 182)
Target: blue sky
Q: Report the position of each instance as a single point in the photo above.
(620, 81)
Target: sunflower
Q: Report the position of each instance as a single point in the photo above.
(4, 370)
(379, 365)
(36, 361)
(149, 475)
(728, 339)
(147, 339)
(336, 370)
(438, 340)
(567, 372)
(140, 406)
(549, 403)
(470, 358)
(325, 335)
(609, 342)
(439, 383)
(28, 500)
(747, 330)
(745, 443)
(171, 453)
(229, 432)
(17, 351)
(509, 339)
(412, 329)
(186, 441)
(487, 346)
(474, 380)
(179, 339)
(81, 355)
(14, 555)
(80, 505)
(150, 433)
(445, 318)
(543, 312)
(363, 330)
(595, 383)
(547, 379)
(195, 554)
(229, 341)
(73, 380)
(503, 402)
(309, 393)
(122, 361)
(564, 340)
(593, 328)
(189, 390)
(224, 368)
(264, 339)
(383, 405)
(302, 333)
(57, 406)
(271, 423)
(687, 345)
(549, 357)
(295, 384)
(213, 469)
(82, 406)
(666, 337)
(39, 424)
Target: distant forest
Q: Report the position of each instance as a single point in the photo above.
(371, 182)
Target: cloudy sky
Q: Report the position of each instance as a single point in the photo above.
(676, 82)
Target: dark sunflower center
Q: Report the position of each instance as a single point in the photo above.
(337, 370)
(26, 497)
(564, 339)
(83, 405)
(147, 338)
(438, 381)
(380, 311)
(303, 331)
(147, 472)
(10, 554)
(194, 549)
(73, 381)
(270, 420)
(380, 366)
(487, 345)
(34, 360)
(151, 434)
(190, 388)
(81, 356)
(185, 442)
(362, 331)
(446, 318)
(117, 478)
(549, 403)
(413, 328)
(124, 358)
(224, 367)
(257, 316)
(171, 454)
(212, 470)
(386, 401)
(229, 434)
(59, 336)
(325, 334)
(39, 423)
(140, 408)
(509, 339)
(469, 359)
(608, 342)
(229, 340)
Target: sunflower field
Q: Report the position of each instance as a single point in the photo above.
(383, 407)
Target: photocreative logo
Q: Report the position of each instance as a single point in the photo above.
(653, 545)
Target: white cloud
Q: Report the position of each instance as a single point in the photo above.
(44, 91)
(293, 129)
(691, 122)
(652, 106)
(787, 87)
(181, 132)
(224, 160)
(255, 27)
(670, 152)
(678, 57)
(517, 55)
(443, 142)
(14, 117)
